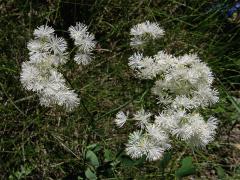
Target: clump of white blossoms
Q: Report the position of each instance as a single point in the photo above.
(143, 32)
(40, 74)
(84, 41)
(183, 86)
(181, 82)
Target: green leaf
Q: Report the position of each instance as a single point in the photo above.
(92, 158)
(140, 160)
(220, 172)
(126, 161)
(108, 156)
(90, 175)
(186, 168)
(92, 146)
(97, 148)
(165, 160)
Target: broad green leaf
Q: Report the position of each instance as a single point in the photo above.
(92, 158)
(220, 172)
(108, 156)
(90, 175)
(186, 168)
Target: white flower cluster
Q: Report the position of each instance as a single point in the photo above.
(143, 32)
(183, 85)
(189, 127)
(151, 140)
(40, 74)
(84, 41)
(182, 82)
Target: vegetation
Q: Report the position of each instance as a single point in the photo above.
(48, 143)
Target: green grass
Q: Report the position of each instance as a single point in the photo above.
(48, 143)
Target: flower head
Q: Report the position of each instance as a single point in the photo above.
(84, 41)
(40, 74)
(195, 131)
(135, 61)
(153, 29)
(57, 45)
(140, 144)
(82, 58)
(43, 31)
(121, 118)
(142, 117)
(77, 31)
(144, 31)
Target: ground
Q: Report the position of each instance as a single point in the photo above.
(49, 143)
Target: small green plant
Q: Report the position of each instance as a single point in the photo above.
(22, 173)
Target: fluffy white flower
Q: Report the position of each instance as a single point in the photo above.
(166, 120)
(56, 92)
(188, 69)
(148, 70)
(58, 59)
(82, 38)
(189, 59)
(40, 75)
(57, 45)
(195, 131)
(142, 117)
(184, 102)
(135, 61)
(156, 132)
(154, 152)
(152, 29)
(133, 148)
(64, 97)
(30, 77)
(43, 31)
(185, 82)
(37, 46)
(83, 58)
(84, 41)
(140, 144)
(77, 31)
(149, 67)
(190, 128)
(165, 61)
(206, 96)
(47, 48)
(141, 32)
(212, 123)
(137, 41)
(121, 118)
